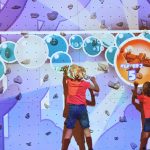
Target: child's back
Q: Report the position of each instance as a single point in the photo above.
(145, 100)
(77, 91)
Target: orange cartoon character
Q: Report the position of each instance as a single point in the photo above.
(137, 62)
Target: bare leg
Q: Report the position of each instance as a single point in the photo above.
(68, 134)
(88, 138)
(67, 138)
(78, 134)
(144, 140)
(87, 132)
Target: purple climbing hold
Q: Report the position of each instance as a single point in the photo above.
(123, 119)
(34, 15)
(55, 96)
(48, 133)
(70, 6)
(18, 97)
(52, 16)
(107, 113)
(136, 7)
(46, 77)
(133, 146)
(27, 116)
(1, 126)
(29, 144)
(114, 85)
(1, 90)
(62, 34)
(8, 71)
(119, 24)
(16, 7)
(116, 138)
(18, 80)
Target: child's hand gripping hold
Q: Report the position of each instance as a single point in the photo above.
(134, 91)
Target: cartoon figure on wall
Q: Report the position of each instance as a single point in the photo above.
(132, 61)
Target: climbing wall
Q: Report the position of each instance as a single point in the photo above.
(31, 91)
(38, 37)
(74, 15)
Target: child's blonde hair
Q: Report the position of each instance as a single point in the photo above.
(77, 72)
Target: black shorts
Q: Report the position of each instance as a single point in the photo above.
(146, 127)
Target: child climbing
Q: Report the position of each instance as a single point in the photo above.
(144, 99)
(76, 101)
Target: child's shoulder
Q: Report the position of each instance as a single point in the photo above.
(142, 96)
(147, 97)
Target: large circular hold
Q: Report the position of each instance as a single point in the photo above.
(56, 43)
(59, 60)
(122, 37)
(2, 69)
(7, 51)
(76, 41)
(31, 51)
(110, 55)
(92, 46)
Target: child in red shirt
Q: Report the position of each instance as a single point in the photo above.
(144, 98)
(76, 100)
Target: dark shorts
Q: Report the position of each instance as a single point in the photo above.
(146, 127)
(77, 112)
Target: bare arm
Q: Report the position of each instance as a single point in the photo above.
(134, 96)
(95, 86)
(134, 91)
(65, 72)
(65, 88)
(92, 102)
